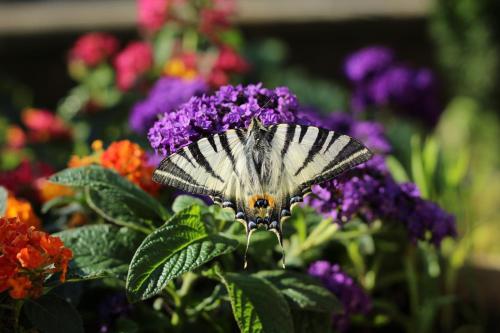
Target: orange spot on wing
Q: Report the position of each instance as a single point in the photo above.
(253, 199)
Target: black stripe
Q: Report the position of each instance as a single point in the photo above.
(315, 148)
(225, 145)
(241, 136)
(290, 133)
(335, 136)
(176, 171)
(303, 131)
(211, 140)
(350, 148)
(182, 153)
(270, 134)
(201, 160)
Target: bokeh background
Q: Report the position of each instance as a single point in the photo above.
(304, 45)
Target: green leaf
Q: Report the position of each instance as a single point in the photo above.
(100, 250)
(257, 305)
(311, 322)
(113, 189)
(3, 200)
(179, 246)
(417, 166)
(51, 314)
(184, 201)
(302, 291)
(57, 201)
(397, 170)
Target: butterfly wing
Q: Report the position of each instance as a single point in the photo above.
(208, 166)
(311, 155)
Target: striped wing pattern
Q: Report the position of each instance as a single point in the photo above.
(207, 166)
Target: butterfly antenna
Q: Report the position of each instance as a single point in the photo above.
(249, 235)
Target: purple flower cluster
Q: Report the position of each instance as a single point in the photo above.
(165, 96)
(351, 295)
(229, 107)
(369, 192)
(382, 82)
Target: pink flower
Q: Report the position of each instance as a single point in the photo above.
(93, 48)
(44, 125)
(135, 60)
(152, 14)
(216, 17)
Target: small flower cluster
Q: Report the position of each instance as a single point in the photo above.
(126, 158)
(379, 80)
(44, 126)
(229, 107)
(165, 96)
(152, 14)
(370, 192)
(132, 63)
(93, 48)
(22, 180)
(22, 209)
(353, 298)
(28, 257)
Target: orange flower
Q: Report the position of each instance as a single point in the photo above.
(19, 287)
(22, 208)
(183, 66)
(130, 161)
(94, 158)
(28, 257)
(48, 191)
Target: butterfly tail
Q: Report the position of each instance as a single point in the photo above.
(249, 235)
(279, 235)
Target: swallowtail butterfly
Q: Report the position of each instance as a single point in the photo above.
(263, 171)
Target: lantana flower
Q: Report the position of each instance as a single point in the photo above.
(152, 14)
(22, 209)
(28, 257)
(126, 158)
(44, 125)
(131, 63)
(93, 48)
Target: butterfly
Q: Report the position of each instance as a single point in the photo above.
(261, 172)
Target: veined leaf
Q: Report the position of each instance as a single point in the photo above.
(51, 314)
(106, 188)
(302, 291)
(257, 305)
(184, 201)
(179, 246)
(3, 200)
(100, 250)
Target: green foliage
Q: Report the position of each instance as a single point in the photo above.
(302, 291)
(257, 305)
(100, 250)
(113, 197)
(3, 200)
(51, 314)
(181, 245)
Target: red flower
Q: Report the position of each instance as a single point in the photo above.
(93, 48)
(216, 17)
(152, 14)
(228, 62)
(135, 60)
(44, 125)
(15, 137)
(28, 257)
(21, 181)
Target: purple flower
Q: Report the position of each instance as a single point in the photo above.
(229, 107)
(351, 295)
(379, 81)
(165, 96)
(367, 62)
(369, 192)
